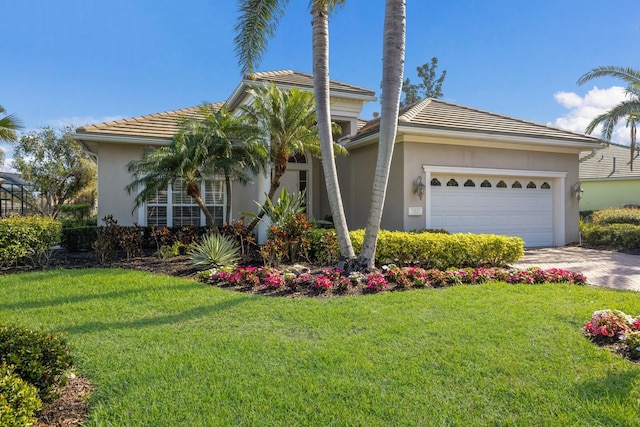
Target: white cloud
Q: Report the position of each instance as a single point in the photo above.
(584, 109)
(78, 121)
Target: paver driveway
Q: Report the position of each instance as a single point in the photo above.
(602, 268)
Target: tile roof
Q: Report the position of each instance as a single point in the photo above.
(159, 125)
(436, 114)
(299, 79)
(611, 162)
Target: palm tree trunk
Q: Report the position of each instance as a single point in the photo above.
(321, 90)
(392, 73)
(227, 183)
(279, 169)
(193, 191)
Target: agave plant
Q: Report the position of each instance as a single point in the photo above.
(281, 212)
(215, 251)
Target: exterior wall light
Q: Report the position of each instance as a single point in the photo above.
(418, 187)
(577, 191)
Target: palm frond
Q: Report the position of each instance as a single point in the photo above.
(257, 23)
(626, 74)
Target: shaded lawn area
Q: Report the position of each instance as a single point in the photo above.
(167, 351)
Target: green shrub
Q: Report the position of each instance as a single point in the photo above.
(18, 400)
(78, 222)
(78, 239)
(632, 340)
(215, 251)
(438, 250)
(615, 236)
(28, 240)
(39, 358)
(324, 247)
(616, 216)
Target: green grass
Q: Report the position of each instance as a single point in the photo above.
(164, 351)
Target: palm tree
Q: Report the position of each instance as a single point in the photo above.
(9, 124)
(258, 21)
(235, 147)
(288, 119)
(392, 71)
(628, 110)
(185, 158)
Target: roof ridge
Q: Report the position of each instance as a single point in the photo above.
(411, 110)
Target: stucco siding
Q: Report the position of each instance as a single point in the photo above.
(407, 165)
(610, 193)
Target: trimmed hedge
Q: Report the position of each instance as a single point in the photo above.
(18, 400)
(27, 239)
(438, 250)
(78, 239)
(616, 216)
(615, 236)
(39, 358)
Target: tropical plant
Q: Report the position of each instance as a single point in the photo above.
(217, 143)
(288, 118)
(627, 110)
(392, 71)
(235, 146)
(287, 205)
(8, 126)
(56, 165)
(258, 21)
(215, 251)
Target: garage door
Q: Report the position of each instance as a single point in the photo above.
(513, 206)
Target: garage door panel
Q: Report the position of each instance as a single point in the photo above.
(525, 212)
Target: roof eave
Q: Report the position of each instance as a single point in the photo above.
(120, 139)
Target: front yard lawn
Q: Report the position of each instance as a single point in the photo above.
(167, 351)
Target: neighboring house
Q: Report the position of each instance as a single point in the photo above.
(607, 178)
(454, 167)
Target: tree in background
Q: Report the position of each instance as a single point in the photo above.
(431, 86)
(9, 124)
(628, 110)
(55, 164)
(257, 23)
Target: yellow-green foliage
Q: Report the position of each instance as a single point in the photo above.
(616, 216)
(616, 236)
(18, 400)
(27, 239)
(442, 251)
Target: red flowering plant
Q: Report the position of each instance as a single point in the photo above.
(609, 326)
(322, 283)
(397, 275)
(375, 282)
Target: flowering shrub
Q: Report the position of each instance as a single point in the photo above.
(391, 276)
(611, 326)
(552, 275)
(375, 282)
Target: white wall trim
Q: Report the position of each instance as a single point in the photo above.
(558, 188)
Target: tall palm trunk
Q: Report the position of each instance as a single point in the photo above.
(321, 90)
(227, 184)
(392, 70)
(279, 169)
(193, 191)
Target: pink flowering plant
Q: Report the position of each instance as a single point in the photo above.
(375, 282)
(614, 326)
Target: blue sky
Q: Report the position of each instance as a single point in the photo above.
(78, 61)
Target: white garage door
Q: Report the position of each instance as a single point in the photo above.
(513, 206)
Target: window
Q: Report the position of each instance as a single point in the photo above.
(545, 186)
(485, 184)
(469, 183)
(435, 182)
(501, 184)
(173, 207)
(516, 185)
(531, 185)
(452, 183)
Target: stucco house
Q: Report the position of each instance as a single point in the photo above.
(454, 167)
(607, 178)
